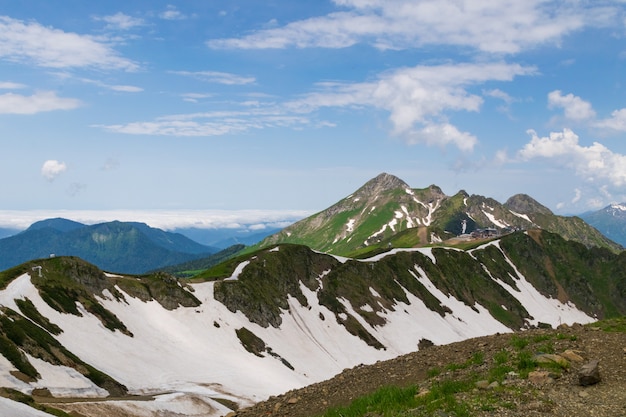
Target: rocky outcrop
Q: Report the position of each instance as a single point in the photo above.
(589, 374)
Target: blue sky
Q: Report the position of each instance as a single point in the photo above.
(285, 107)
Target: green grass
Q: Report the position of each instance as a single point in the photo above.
(617, 324)
(452, 388)
(519, 342)
(392, 401)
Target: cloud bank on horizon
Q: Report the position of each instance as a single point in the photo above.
(246, 105)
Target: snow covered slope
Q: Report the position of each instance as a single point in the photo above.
(284, 318)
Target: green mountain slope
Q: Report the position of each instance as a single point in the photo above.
(386, 212)
(592, 279)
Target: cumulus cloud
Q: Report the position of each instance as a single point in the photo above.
(42, 101)
(52, 168)
(574, 107)
(218, 77)
(443, 134)
(579, 110)
(616, 122)
(418, 98)
(594, 163)
(506, 26)
(53, 48)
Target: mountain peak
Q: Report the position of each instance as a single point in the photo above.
(382, 182)
(525, 204)
(58, 223)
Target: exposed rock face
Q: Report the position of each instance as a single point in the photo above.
(589, 374)
(525, 204)
(382, 182)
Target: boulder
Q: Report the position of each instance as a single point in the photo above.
(551, 358)
(589, 374)
(540, 377)
(572, 356)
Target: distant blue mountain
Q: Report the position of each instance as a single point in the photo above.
(7, 231)
(610, 221)
(58, 223)
(225, 237)
(126, 247)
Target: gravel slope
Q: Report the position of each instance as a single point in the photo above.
(561, 397)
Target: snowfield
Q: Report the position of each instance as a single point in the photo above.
(188, 358)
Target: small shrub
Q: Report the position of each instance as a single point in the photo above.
(518, 342)
(501, 357)
(478, 358)
(433, 372)
(525, 363)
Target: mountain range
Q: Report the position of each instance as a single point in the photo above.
(386, 212)
(386, 271)
(127, 247)
(281, 318)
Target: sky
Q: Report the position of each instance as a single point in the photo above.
(283, 108)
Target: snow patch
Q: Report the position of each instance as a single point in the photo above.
(237, 271)
(501, 224)
(543, 309)
(523, 216)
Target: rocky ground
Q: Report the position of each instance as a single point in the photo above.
(547, 392)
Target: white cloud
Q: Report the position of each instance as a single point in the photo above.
(7, 85)
(577, 196)
(442, 135)
(126, 88)
(121, 21)
(31, 42)
(163, 219)
(577, 109)
(574, 107)
(506, 26)
(42, 101)
(195, 97)
(594, 163)
(52, 168)
(172, 13)
(616, 122)
(120, 88)
(211, 123)
(218, 77)
(418, 97)
(499, 94)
